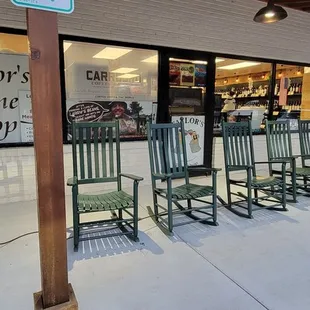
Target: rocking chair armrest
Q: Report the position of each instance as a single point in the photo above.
(72, 181)
(204, 169)
(131, 177)
(286, 159)
(270, 162)
(305, 156)
(163, 176)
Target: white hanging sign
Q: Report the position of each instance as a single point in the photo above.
(194, 127)
(59, 6)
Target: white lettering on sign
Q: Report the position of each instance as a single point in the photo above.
(59, 6)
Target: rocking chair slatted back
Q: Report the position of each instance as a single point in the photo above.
(96, 157)
(167, 149)
(279, 144)
(238, 145)
(304, 138)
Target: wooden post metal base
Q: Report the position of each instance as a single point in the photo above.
(72, 304)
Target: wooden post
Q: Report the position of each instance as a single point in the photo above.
(48, 143)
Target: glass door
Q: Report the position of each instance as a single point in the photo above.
(187, 99)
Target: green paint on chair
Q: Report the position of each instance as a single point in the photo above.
(96, 159)
(168, 161)
(239, 157)
(279, 148)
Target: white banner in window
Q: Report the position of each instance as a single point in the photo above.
(14, 76)
(194, 127)
(25, 110)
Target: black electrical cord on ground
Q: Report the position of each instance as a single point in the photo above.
(19, 237)
(35, 232)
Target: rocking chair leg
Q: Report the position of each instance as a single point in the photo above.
(284, 189)
(120, 214)
(284, 198)
(306, 183)
(170, 216)
(169, 199)
(76, 231)
(189, 204)
(228, 193)
(294, 186)
(249, 198)
(135, 224)
(256, 194)
(214, 202)
(135, 212)
(155, 206)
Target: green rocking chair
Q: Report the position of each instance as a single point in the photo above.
(96, 159)
(168, 160)
(265, 192)
(279, 147)
(304, 140)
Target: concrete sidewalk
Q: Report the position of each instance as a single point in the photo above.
(240, 265)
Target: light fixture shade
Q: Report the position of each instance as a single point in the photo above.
(270, 14)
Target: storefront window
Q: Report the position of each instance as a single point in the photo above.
(187, 92)
(15, 98)
(290, 104)
(104, 83)
(241, 92)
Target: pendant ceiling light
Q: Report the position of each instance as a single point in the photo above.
(270, 14)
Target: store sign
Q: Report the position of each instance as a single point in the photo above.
(84, 80)
(194, 127)
(58, 6)
(14, 78)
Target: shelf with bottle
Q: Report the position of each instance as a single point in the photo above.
(291, 105)
(251, 90)
(253, 104)
(295, 89)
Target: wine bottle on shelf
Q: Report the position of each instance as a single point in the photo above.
(290, 89)
(276, 90)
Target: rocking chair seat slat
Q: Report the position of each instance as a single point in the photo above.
(261, 182)
(104, 202)
(302, 172)
(188, 191)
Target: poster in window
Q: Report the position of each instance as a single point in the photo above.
(187, 74)
(194, 126)
(95, 94)
(175, 73)
(200, 75)
(132, 115)
(25, 118)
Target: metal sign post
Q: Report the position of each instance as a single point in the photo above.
(42, 28)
